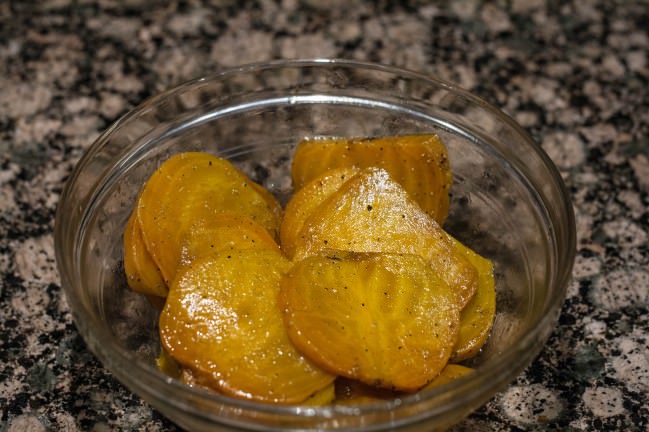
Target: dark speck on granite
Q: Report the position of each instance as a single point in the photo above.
(575, 74)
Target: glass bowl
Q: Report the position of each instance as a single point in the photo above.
(508, 203)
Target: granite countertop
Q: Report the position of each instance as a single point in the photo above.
(575, 74)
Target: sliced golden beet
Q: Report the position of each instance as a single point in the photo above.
(196, 379)
(477, 317)
(450, 373)
(352, 392)
(187, 376)
(142, 273)
(224, 232)
(373, 213)
(189, 189)
(272, 225)
(306, 200)
(223, 322)
(418, 162)
(322, 397)
(168, 365)
(386, 320)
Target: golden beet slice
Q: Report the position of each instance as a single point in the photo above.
(306, 200)
(322, 397)
(142, 273)
(419, 163)
(352, 392)
(373, 213)
(224, 232)
(450, 373)
(222, 321)
(386, 320)
(189, 189)
(477, 317)
(168, 365)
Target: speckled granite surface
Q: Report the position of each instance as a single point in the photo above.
(573, 73)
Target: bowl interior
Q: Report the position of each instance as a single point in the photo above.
(500, 205)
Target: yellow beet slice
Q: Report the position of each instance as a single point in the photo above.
(373, 213)
(306, 200)
(224, 232)
(222, 321)
(168, 365)
(189, 189)
(418, 162)
(142, 273)
(477, 317)
(322, 397)
(352, 392)
(450, 373)
(386, 320)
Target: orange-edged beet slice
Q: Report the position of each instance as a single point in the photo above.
(142, 273)
(478, 316)
(352, 392)
(385, 320)
(191, 188)
(418, 162)
(373, 213)
(168, 365)
(450, 373)
(224, 232)
(223, 322)
(322, 397)
(306, 200)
